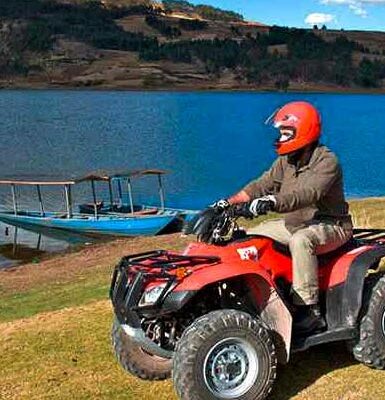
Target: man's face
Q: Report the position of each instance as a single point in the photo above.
(286, 134)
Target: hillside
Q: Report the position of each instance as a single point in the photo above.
(135, 44)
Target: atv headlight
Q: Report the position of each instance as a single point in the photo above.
(151, 296)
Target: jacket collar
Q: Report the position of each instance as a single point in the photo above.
(316, 156)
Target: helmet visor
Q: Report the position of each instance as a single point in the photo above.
(270, 120)
(286, 131)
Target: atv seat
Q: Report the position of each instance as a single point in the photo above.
(323, 258)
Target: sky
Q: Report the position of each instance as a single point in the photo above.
(335, 14)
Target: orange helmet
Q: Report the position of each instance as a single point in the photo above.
(299, 124)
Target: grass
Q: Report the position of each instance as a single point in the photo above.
(51, 298)
(71, 279)
(368, 212)
(67, 355)
(55, 323)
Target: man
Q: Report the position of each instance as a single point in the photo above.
(305, 183)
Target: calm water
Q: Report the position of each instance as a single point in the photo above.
(213, 143)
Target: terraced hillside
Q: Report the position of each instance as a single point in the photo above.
(135, 44)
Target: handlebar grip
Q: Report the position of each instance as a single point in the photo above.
(243, 210)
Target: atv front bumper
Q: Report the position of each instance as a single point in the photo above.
(130, 279)
(139, 337)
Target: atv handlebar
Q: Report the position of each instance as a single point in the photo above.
(215, 225)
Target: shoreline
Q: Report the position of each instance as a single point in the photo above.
(366, 212)
(195, 89)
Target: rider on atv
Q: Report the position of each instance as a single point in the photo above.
(305, 183)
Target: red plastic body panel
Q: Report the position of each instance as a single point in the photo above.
(257, 256)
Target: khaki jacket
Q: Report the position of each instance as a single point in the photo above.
(310, 194)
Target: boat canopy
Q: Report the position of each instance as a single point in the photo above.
(108, 176)
(99, 175)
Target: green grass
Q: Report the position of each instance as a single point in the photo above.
(51, 298)
(67, 285)
(67, 355)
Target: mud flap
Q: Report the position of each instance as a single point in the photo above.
(276, 315)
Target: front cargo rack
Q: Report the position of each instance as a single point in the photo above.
(165, 260)
(133, 273)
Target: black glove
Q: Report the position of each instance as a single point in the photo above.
(262, 205)
(221, 205)
(243, 210)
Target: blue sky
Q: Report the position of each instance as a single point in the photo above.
(337, 14)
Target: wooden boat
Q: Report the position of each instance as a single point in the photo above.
(113, 218)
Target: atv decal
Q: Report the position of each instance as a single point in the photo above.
(248, 253)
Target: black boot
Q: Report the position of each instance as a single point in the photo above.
(308, 319)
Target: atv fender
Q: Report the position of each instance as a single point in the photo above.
(346, 285)
(272, 309)
(274, 313)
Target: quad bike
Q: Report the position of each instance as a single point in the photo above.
(219, 318)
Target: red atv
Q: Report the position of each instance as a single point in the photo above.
(219, 316)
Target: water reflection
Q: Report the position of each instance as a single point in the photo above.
(26, 245)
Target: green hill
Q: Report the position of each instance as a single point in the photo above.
(174, 44)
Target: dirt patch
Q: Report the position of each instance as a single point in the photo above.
(92, 259)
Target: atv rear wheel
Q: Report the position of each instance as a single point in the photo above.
(225, 354)
(135, 360)
(370, 349)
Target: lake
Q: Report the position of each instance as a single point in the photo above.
(213, 143)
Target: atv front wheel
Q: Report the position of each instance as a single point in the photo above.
(135, 360)
(225, 354)
(370, 349)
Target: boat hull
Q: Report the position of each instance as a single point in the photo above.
(87, 224)
(184, 215)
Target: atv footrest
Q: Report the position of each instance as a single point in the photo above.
(336, 335)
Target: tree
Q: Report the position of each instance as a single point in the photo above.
(367, 74)
(282, 84)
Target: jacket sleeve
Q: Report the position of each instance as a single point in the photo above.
(324, 176)
(268, 183)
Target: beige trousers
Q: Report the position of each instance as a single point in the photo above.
(305, 244)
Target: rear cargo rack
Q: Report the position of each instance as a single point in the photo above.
(369, 235)
(135, 272)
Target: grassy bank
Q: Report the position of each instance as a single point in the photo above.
(55, 321)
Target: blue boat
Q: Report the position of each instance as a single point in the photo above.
(116, 218)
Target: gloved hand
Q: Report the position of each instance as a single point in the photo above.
(221, 205)
(243, 210)
(262, 205)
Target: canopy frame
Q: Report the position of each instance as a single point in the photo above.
(93, 177)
